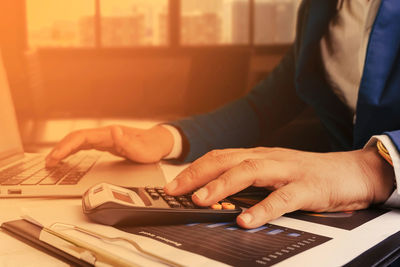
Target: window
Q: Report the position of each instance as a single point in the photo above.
(60, 23)
(214, 22)
(134, 22)
(130, 23)
(274, 21)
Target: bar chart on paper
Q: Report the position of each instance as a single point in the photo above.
(227, 243)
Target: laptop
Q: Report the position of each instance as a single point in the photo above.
(24, 174)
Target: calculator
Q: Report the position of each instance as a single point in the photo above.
(113, 205)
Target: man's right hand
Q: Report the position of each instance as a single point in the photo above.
(138, 145)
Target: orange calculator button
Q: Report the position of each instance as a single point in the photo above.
(216, 206)
(228, 206)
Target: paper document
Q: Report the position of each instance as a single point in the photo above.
(303, 239)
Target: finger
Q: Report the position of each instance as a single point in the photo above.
(257, 172)
(207, 168)
(64, 148)
(286, 199)
(275, 153)
(79, 140)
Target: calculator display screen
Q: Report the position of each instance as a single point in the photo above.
(122, 196)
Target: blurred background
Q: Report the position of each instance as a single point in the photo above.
(74, 63)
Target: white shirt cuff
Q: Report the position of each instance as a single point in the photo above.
(176, 151)
(394, 199)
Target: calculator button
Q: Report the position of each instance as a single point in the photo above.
(151, 191)
(188, 204)
(228, 206)
(154, 196)
(158, 188)
(148, 188)
(216, 206)
(169, 198)
(163, 194)
(174, 204)
(182, 198)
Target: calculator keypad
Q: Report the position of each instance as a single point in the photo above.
(184, 201)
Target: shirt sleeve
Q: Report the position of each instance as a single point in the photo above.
(177, 148)
(394, 199)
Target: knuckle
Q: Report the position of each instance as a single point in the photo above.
(260, 149)
(266, 207)
(76, 134)
(269, 150)
(191, 173)
(214, 153)
(276, 150)
(284, 197)
(251, 165)
(80, 132)
(225, 181)
(222, 159)
(114, 127)
(71, 135)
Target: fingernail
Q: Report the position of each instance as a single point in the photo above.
(171, 186)
(246, 217)
(202, 193)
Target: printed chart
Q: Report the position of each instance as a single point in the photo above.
(227, 243)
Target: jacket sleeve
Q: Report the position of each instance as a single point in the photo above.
(395, 137)
(246, 121)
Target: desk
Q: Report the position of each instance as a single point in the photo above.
(16, 253)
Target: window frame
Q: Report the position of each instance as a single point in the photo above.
(174, 41)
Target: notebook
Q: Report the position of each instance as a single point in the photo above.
(24, 174)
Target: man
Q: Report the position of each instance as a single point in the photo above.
(345, 65)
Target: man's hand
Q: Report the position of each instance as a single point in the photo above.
(301, 180)
(143, 146)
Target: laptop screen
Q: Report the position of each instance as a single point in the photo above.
(10, 140)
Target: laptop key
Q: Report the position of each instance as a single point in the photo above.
(51, 180)
(34, 179)
(18, 169)
(73, 178)
(33, 172)
(14, 181)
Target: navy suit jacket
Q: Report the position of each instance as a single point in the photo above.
(299, 81)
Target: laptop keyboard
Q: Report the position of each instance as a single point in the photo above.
(32, 171)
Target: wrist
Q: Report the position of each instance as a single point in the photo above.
(164, 138)
(380, 172)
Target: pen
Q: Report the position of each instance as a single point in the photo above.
(91, 254)
(85, 251)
